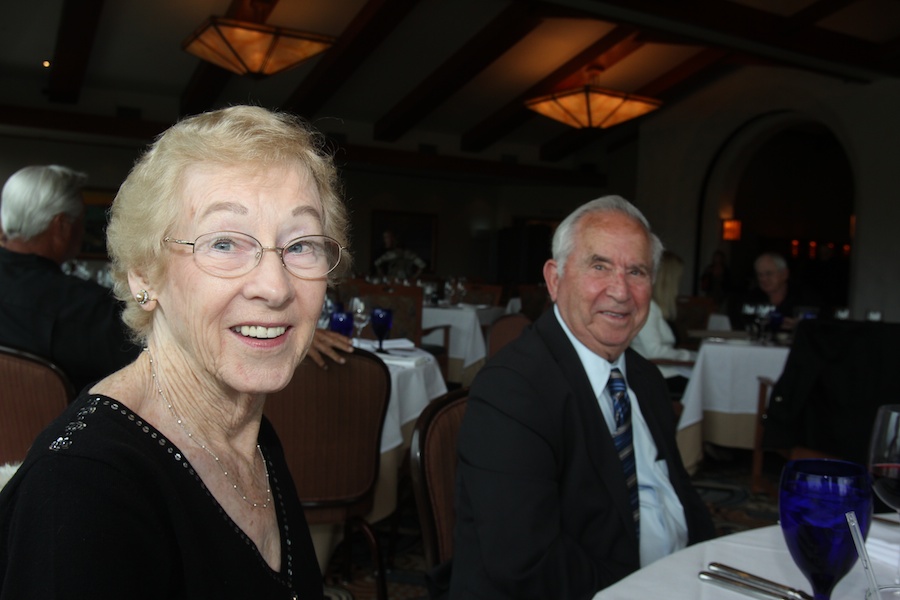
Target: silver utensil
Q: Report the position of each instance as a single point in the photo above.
(740, 575)
(737, 585)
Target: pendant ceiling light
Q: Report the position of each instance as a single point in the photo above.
(592, 106)
(253, 49)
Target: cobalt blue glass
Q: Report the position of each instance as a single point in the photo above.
(814, 497)
(381, 324)
(342, 322)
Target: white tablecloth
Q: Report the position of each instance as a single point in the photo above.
(725, 380)
(759, 551)
(412, 388)
(466, 339)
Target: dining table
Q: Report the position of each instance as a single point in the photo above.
(762, 552)
(467, 348)
(416, 380)
(721, 397)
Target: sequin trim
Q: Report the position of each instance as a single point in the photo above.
(64, 442)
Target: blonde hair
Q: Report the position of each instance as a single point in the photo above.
(240, 137)
(665, 287)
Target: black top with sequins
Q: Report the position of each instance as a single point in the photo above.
(104, 506)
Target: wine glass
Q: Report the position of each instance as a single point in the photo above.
(814, 497)
(342, 322)
(360, 314)
(381, 324)
(884, 459)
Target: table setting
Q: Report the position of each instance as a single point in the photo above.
(828, 544)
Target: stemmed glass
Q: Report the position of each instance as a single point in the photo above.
(341, 322)
(381, 324)
(814, 497)
(884, 459)
(360, 314)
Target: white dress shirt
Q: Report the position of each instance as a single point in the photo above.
(663, 527)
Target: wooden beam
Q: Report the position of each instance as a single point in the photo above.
(790, 40)
(74, 42)
(605, 52)
(367, 31)
(516, 21)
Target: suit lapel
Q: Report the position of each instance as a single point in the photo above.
(600, 446)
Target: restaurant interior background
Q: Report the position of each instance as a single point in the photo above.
(781, 114)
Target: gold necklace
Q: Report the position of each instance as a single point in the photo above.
(190, 435)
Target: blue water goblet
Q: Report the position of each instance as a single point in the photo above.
(814, 497)
(342, 322)
(381, 324)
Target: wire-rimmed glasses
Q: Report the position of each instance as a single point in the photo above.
(232, 254)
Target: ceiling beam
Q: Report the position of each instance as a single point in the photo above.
(74, 42)
(369, 28)
(792, 40)
(516, 21)
(208, 80)
(604, 53)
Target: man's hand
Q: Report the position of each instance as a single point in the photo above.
(329, 343)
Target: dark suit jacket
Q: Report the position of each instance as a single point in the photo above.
(542, 506)
(75, 324)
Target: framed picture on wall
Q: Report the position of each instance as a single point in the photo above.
(96, 207)
(413, 231)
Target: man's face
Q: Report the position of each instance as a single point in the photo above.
(604, 292)
(771, 279)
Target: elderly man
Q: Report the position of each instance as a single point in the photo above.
(775, 288)
(569, 474)
(42, 310)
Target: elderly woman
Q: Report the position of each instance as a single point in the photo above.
(164, 480)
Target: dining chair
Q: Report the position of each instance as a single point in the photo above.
(482, 293)
(824, 403)
(432, 461)
(33, 392)
(406, 303)
(329, 422)
(692, 313)
(535, 299)
(505, 329)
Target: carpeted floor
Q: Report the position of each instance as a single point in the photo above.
(723, 483)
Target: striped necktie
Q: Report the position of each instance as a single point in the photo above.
(618, 389)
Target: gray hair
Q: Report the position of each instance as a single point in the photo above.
(776, 258)
(564, 237)
(33, 195)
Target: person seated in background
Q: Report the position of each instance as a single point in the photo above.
(656, 339)
(569, 476)
(398, 262)
(776, 289)
(69, 321)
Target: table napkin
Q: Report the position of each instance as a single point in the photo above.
(409, 361)
(372, 345)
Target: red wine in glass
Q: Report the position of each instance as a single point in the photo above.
(886, 478)
(884, 459)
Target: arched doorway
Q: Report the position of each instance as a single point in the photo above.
(789, 182)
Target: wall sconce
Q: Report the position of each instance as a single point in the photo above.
(253, 49)
(731, 230)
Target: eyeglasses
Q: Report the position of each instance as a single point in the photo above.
(232, 254)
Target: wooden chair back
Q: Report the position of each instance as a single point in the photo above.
(404, 301)
(329, 422)
(482, 293)
(692, 312)
(433, 472)
(535, 299)
(33, 392)
(504, 330)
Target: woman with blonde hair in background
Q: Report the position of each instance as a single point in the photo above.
(656, 340)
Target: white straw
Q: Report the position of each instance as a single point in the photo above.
(872, 593)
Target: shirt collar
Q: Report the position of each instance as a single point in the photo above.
(596, 367)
